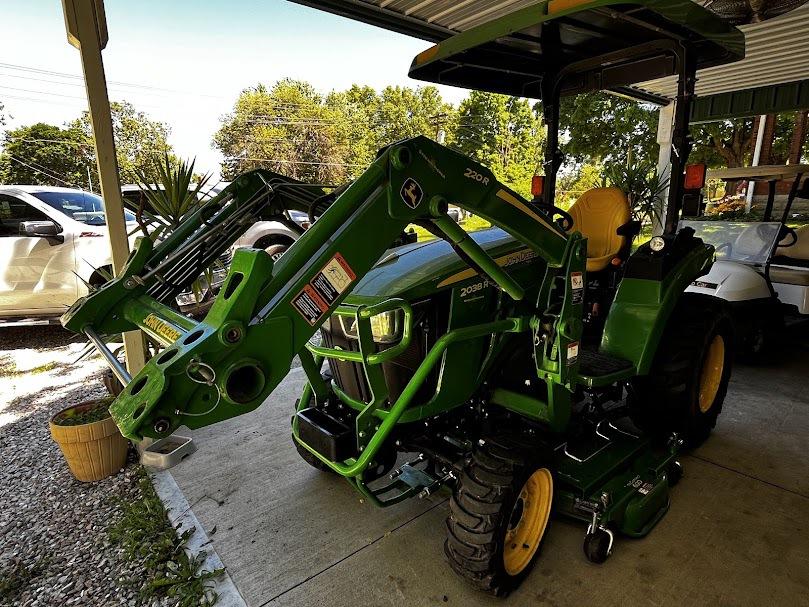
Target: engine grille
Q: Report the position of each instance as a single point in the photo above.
(429, 322)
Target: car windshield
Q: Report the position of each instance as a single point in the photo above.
(81, 206)
(743, 241)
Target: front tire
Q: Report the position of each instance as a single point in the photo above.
(686, 386)
(498, 517)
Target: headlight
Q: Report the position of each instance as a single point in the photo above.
(385, 327)
(657, 244)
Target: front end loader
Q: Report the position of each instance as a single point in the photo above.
(534, 368)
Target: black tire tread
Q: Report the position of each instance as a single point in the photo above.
(663, 401)
(479, 511)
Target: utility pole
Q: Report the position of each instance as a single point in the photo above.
(437, 120)
(86, 26)
(89, 180)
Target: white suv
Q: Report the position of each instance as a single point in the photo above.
(51, 242)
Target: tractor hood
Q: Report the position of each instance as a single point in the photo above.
(420, 269)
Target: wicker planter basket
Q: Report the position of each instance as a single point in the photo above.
(93, 451)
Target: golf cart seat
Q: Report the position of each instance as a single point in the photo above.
(599, 214)
(796, 256)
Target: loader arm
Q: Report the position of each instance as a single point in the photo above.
(266, 312)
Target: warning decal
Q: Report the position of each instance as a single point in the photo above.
(323, 290)
(572, 352)
(576, 287)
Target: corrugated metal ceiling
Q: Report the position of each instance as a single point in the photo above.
(777, 50)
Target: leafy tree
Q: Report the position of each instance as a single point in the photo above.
(291, 129)
(286, 128)
(503, 133)
(727, 143)
(44, 154)
(604, 128)
(139, 140)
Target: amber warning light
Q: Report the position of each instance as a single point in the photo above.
(537, 185)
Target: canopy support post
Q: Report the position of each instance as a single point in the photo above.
(86, 27)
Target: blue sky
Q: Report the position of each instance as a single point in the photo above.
(204, 53)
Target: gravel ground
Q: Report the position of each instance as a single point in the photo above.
(53, 536)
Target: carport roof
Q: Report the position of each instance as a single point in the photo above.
(777, 49)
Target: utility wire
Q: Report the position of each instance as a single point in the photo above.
(15, 159)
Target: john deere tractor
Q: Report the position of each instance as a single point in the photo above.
(536, 368)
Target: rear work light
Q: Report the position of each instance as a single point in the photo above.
(694, 176)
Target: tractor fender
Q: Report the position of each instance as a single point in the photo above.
(733, 282)
(642, 307)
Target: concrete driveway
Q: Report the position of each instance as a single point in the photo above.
(737, 532)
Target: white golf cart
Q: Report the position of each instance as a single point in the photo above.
(762, 267)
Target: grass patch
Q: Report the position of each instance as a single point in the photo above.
(148, 539)
(15, 577)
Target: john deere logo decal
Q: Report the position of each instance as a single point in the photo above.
(411, 193)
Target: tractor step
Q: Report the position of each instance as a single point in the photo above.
(599, 369)
(325, 434)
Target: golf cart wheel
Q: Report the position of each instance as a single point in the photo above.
(498, 516)
(687, 383)
(597, 546)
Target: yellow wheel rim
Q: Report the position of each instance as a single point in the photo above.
(711, 376)
(529, 518)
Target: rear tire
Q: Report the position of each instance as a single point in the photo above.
(498, 517)
(686, 386)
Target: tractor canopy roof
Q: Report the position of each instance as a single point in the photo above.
(592, 44)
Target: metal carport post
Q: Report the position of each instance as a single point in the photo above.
(86, 27)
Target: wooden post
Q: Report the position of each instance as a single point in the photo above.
(86, 27)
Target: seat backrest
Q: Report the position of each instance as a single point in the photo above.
(800, 250)
(597, 214)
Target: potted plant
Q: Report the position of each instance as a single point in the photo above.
(89, 439)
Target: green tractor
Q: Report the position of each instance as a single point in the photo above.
(533, 368)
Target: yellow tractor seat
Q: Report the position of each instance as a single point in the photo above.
(598, 214)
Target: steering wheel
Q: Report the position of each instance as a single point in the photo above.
(787, 231)
(565, 220)
(723, 246)
(761, 232)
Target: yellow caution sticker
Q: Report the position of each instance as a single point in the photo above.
(161, 327)
(318, 295)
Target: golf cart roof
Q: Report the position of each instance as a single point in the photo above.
(764, 172)
(612, 44)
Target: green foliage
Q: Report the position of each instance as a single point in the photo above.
(170, 193)
(599, 127)
(84, 415)
(503, 133)
(726, 143)
(573, 184)
(643, 186)
(43, 154)
(291, 129)
(147, 538)
(139, 141)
